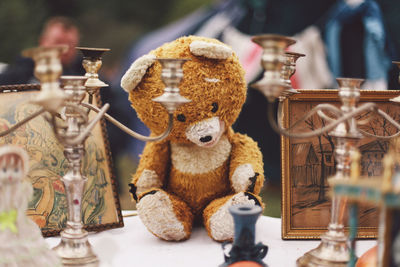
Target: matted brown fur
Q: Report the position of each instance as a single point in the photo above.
(213, 186)
(232, 85)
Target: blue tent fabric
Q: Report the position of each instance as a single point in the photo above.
(377, 61)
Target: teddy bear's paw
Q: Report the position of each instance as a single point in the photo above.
(221, 222)
(147, 180)
(244, 178)
(157, 213)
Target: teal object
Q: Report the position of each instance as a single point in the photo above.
(371, 194)
(359, 192)
(353, 222)
(244, 247)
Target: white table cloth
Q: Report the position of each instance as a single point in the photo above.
(133, 245)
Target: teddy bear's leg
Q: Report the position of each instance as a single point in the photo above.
(217, 219)
(165, 215)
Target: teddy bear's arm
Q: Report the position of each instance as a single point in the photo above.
(246, 166)
(152, 168)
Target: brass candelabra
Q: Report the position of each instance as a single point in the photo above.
(341, 124)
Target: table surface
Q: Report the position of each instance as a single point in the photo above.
(133, 245)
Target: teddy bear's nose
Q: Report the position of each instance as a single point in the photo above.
(205, 139)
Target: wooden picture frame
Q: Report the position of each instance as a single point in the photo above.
(48, 208)
(305, 201)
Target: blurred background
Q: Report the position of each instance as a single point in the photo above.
(357, 39)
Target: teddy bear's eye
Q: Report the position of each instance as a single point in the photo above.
(214, 107)
(181, 118)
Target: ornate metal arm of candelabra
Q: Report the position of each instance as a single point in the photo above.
(342, 126)
(133, 133)
(59, 129)
(51, 98)
(22, 122)
(343, 115)
(390, 120)
(171, 75)
(279, 66)
(319, 110)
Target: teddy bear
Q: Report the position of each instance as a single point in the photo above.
(203, 167)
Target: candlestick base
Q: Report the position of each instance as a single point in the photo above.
(75, 249)
(333, 251)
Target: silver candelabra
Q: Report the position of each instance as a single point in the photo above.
(71, 126)
(68, 115)
(341, 124)
(71, 131)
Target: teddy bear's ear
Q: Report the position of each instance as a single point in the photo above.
(210, 50)
(136, 71)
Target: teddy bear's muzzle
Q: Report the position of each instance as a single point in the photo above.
(206, 133)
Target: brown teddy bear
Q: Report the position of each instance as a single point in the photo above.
(203, 166)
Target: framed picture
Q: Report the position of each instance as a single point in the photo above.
(48, 206)
(307, 163)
